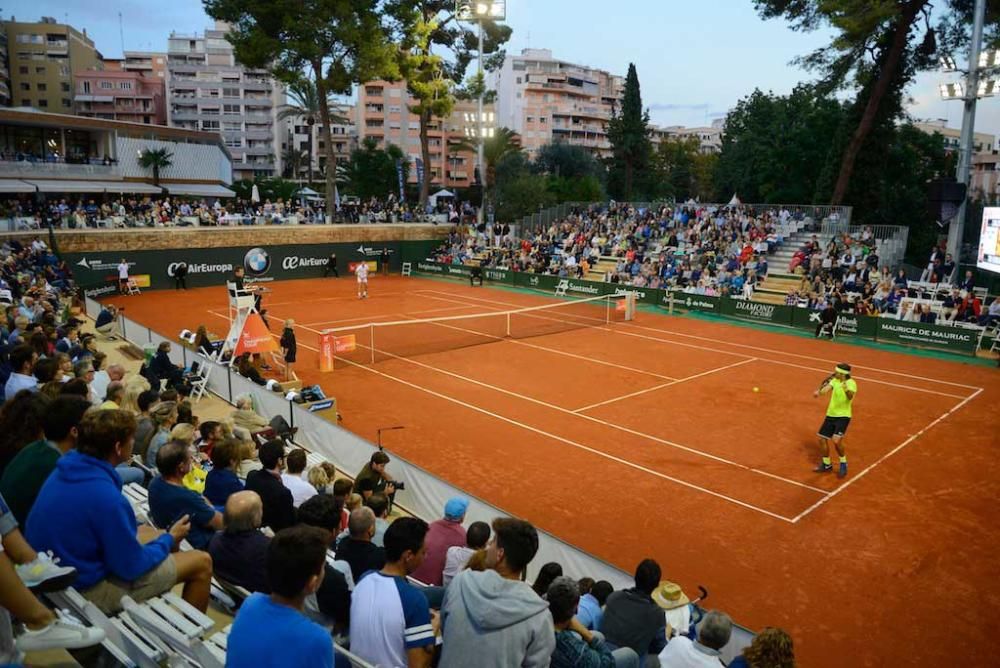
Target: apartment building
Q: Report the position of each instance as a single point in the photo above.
(42, 58)
(981, 142)
(122, 95)
(4, 70)
(544, 99)
(382, 112)
(296, 137)
(208, 90)
(709, 137)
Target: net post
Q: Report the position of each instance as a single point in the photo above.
(508, 324)
(608, 300)
(371, 340)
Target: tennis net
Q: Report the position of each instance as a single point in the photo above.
(377, 341)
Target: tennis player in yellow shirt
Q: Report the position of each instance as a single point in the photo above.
(842, 389)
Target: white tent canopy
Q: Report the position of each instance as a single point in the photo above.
(735, 201)
(445, 194)
(307, 192)
(199, 190)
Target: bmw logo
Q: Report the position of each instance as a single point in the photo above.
(257, 261)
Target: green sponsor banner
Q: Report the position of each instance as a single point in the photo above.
(847, 323)
(691, 302)
(499, 276)
(777, 314)
(939, 337)
(642, 295)
(535, 281)
(428, 267)
(584, 288)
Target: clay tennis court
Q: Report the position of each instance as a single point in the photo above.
(646, 438)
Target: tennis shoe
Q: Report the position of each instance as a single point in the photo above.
(842, 471)
(823, 468)
(44, 574)
(65, 632)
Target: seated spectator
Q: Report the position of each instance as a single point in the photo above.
(239, 551)
(492, 614)
(145, 426)
(631, 616)
(21, 359)
(170, 499)
(342, 490)
(271, 631)
(82, 517)
(164, 418)
(319, 479)
(245, 417)
(223, 481)
(331, 605)
(114, 395)
(210, 432)
(24, 476)
(591, 610)
(443, 534)
(107, 322)
(20, 424)
(279, 511)
(713, 634)
(292, 478)
(458, 556)
(771, 648)
(390, 620)
(576, 645)
(358, 550)
(163, 367)
(375, 471)
(546, 574)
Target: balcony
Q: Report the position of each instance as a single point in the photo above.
(184, 115)
(249, 117)
(259, 150)
(45, 170)
(259, 134)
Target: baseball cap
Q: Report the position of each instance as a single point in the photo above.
(456, 507)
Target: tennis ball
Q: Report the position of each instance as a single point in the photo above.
(756, 389)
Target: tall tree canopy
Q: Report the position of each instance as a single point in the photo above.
(878, 47)
(628, 132)
(371, 171)
(333, 43)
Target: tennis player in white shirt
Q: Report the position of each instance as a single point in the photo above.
(361, 271)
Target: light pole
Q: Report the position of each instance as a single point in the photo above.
(480, 11)
(979, 63)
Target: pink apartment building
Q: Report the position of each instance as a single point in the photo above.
(128, 96)
(382, 112)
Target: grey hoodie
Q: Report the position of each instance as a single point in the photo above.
(492, 622)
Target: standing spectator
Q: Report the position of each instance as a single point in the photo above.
(292, 478)
(272, 631)
(222, 481)
(443, 534)
(279, 511)
(591, 610)
(81, 515)
(713, 634)
(493, 615)
(239, 551)
(358, 550)
(170, 499)
(390, 620)
(331, 266)
(771, 648)
(576, 645)
(180, 276)
(631, 616)
(27, 472)
(458, 555)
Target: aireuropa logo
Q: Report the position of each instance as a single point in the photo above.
(200, 268)
(294, 262)
(257, 261)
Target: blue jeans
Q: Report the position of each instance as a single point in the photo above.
(130, 474)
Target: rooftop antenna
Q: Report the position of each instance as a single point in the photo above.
(121, 33)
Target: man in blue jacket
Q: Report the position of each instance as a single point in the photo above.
(81, 515)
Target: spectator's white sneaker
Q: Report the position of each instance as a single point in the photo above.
(66, 632)
(45, 574)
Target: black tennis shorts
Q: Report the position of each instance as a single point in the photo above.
(834, 426)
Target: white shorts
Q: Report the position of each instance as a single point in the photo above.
(363, 279)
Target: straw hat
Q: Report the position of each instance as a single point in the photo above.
(669, 595)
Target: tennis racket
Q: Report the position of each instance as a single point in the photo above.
(826, 381)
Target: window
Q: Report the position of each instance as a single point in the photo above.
(64, 87)
(234, 142)
(23, 69)
(63, 71)
(230, 92)
(40, 70)
(519, 80)
(28, 38)
(125, 85)
(25, 102)
(230, 126)
(66, 102)
(41, 86)
(107, 85)
(395, 109)
(231, 109)
(374, 91)
(210, 125)
(43, 103)
(86, 86)
(25, 85)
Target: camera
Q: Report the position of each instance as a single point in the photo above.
(399, 485)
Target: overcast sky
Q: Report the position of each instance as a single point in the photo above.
(694, 59)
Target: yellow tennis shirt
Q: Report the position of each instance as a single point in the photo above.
(840, 405)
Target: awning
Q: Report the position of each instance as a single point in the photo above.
(47, 186)
(15, 186)
(134, 187)
(198, 190)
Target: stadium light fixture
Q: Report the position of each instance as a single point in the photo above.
(952, 91)
(948, 64)
(477, 10)
(988, 88)
(989, 58)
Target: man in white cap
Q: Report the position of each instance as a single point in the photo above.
(443, 534)
(842, 389)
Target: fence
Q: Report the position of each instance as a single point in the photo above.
(947, 338)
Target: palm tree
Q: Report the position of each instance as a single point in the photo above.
(155, 159)
(504, 142)
(305, 103)
(293, 159)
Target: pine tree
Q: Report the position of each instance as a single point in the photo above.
(628, 132)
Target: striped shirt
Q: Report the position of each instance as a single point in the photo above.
(389, 616)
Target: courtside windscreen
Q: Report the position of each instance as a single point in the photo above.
(989, 240)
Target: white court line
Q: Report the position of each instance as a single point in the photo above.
(370, 318)
(308, 300)
(884, 457)
(618, 330)
(658, 387)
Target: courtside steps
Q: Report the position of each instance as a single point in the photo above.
(775, 287)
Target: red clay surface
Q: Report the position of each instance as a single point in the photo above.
(894, 566)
